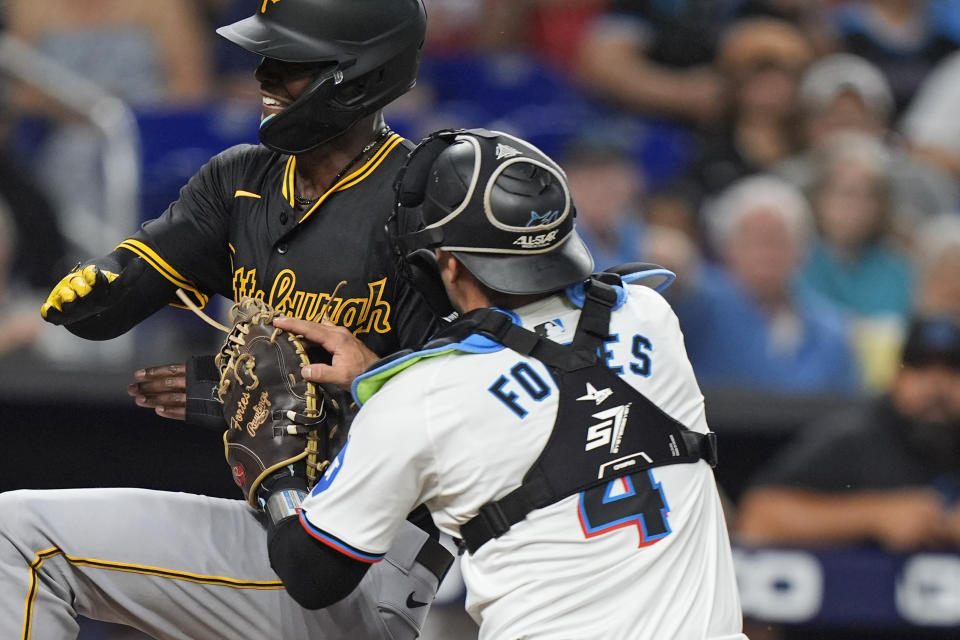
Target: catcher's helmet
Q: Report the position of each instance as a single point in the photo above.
(372, 47)
(498, 203)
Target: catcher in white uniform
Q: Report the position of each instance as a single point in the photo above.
(556, 428)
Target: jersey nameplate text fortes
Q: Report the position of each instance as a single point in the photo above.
(370, 314)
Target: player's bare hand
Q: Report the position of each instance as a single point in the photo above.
(350, 356)
(163, 389)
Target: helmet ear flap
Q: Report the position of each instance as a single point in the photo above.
(411, 182)
(417, 264)
(410, 186)
(424, 274)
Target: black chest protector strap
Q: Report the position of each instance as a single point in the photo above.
(605, 429)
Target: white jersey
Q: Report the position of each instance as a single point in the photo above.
(457, 430)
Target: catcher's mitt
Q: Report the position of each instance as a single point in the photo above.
(275, 418)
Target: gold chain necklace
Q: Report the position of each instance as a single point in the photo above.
(375, 143)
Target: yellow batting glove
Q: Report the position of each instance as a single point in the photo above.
(76, 285)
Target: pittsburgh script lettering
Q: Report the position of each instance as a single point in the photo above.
(370, 314)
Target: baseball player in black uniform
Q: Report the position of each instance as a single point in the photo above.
(288, 221)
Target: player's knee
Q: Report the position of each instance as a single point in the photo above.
(17, 509)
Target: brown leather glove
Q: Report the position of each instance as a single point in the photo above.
(276, 420)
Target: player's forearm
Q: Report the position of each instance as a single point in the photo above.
(313, 574)
(792, 516)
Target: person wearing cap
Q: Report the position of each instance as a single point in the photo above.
(842, 92)
(904, 38)
(886, 471)
(556, 429)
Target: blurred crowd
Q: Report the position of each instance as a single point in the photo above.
(795, 162)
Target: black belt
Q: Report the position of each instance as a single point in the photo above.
(435, 557)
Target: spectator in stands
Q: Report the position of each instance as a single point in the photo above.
(886, 472)
(843, 92)
(937, 252)
(930, 122)
(811, 17)
(903, 38)
(745, 324)
(654, 57)
(548, 30)
(762, 60)
(856, 260)
(607, 186)
(232, 66)
(142, 51)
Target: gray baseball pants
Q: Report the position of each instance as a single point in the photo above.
(179, 566)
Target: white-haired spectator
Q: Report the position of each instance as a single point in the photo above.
(758, 192)
(843, 92)
(745, 324)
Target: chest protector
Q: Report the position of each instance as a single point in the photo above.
(604, 429)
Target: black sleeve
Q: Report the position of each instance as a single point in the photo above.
(187, 248)
(138, 293)
(314, 575)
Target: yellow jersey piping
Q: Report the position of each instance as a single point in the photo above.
(287, 189)
(346, 182)
(168, 272)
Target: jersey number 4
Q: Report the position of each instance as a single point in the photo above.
(636, 499)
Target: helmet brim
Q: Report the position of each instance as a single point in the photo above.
(273, 41)
(532, 273)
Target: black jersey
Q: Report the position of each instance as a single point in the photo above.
(235, 231)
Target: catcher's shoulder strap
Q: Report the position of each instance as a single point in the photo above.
(480, 330)
(458, 336)
(604, 429)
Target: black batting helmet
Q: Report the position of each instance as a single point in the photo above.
(498, 203)
(372, 47)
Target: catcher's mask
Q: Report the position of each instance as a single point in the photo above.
(369, 51)
(498, 203)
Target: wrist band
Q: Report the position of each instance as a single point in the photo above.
(284, 503)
